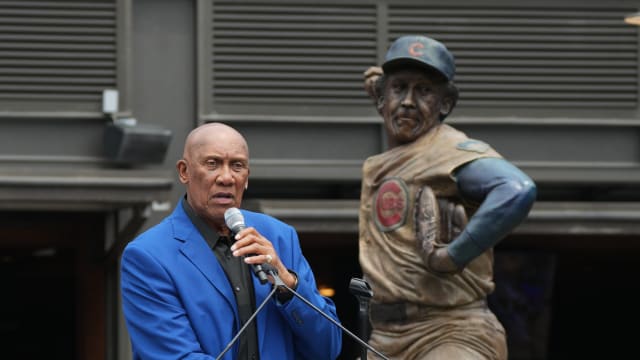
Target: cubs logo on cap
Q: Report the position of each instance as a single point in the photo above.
(422, 51)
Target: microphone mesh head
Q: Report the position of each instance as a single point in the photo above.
(234, 219)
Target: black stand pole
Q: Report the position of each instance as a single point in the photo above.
(362, 291)
(279, 283)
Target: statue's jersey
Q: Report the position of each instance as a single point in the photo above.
(407, 194)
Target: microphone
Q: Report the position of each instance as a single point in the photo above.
(235, 222)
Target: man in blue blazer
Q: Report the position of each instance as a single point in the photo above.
(187, 285)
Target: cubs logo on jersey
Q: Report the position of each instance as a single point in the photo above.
(391, 204)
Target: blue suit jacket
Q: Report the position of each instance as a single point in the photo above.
(178, 303)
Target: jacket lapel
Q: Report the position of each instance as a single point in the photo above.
(196, 249)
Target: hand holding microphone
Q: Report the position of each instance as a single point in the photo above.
(235, 222)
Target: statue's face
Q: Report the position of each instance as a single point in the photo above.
(411, 105)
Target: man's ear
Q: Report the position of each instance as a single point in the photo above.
(183, 175)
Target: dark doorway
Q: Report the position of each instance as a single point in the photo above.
(52, 285)
(37, 308)
(334, 260)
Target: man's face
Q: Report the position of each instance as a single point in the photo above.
(412, 105)
(215, 174)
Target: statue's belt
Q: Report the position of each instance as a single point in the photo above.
(402, 311)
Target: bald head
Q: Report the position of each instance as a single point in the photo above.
(211, 133)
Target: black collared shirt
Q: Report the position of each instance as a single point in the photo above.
(239, 276)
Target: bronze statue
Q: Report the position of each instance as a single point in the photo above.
(433, 205)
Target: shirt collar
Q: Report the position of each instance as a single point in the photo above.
(209, 234)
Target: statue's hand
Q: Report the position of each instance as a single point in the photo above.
(371, 75)
(440, 262)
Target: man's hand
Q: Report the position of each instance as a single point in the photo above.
(258, 250)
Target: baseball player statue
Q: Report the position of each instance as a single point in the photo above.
(433, 206)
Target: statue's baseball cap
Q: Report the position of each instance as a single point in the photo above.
(422, 51)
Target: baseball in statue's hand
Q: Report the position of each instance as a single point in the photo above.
(371, 75)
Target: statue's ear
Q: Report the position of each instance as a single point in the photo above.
(446, 106)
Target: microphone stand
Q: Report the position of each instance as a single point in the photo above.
(235, 338)
(279, 283)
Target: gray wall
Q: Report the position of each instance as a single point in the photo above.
(164, 74)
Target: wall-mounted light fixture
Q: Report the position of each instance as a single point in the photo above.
(633, 18)
(128, 143)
